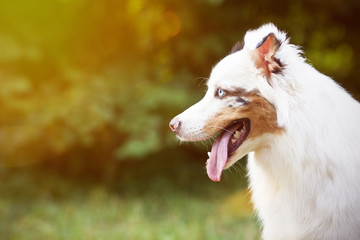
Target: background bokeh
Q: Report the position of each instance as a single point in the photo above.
(87, 89)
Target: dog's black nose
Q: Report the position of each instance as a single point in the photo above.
(175, 125)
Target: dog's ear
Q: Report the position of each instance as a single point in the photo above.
(264, 53)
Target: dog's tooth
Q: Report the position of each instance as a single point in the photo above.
(208, 154)
(237, 134)
(242, 130)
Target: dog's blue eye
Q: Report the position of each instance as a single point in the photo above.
(220, 93)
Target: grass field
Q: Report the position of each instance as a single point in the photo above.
(36, 203)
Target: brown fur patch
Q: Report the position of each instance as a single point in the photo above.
(262, 115)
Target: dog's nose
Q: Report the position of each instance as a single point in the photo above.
(175, 125)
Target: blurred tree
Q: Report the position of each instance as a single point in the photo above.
(107, 76)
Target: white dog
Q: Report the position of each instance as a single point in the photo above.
(300, 129)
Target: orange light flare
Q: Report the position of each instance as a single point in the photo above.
(168, 27)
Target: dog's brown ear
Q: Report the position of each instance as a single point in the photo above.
(263, 55)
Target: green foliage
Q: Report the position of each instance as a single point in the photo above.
(35, 204)
(77, 74)
(85, 82)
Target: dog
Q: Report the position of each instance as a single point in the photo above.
(299, 128)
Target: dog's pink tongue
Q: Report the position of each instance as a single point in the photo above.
(219, 154)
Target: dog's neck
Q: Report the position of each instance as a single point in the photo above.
(304, 114)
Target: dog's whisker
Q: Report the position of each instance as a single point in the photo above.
(220, 128)
(209, 138)
(239, 169)
(202, 79)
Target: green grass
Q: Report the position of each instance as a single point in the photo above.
(35, 204)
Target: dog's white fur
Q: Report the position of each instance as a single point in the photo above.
(305, 182)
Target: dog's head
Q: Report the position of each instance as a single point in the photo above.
(237, 110)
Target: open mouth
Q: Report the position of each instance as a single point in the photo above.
(225, 144)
